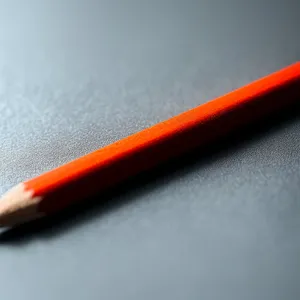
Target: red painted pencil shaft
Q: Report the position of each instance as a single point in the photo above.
(148, 148)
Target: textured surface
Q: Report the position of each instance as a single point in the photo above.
(75, 75)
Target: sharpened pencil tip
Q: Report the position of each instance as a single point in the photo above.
(18, 206)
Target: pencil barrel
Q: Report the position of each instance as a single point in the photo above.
(147, 155)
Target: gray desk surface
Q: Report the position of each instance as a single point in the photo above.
(77, 75)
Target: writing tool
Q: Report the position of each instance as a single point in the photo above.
(108, 166)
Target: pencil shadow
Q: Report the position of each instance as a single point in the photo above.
(131, 189)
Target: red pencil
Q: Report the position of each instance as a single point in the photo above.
(146, 149)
